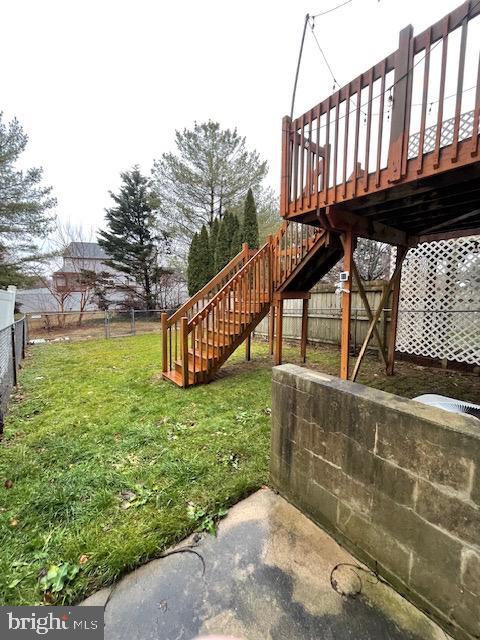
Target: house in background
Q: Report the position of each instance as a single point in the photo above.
(73, 287)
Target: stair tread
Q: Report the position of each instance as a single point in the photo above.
(176, 377)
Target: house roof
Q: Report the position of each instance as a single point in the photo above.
(84, 250)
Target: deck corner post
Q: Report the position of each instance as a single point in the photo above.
(401, 107)
(164, 318)
(285, 178)
(184, 349)
(348, 245)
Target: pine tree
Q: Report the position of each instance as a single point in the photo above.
(236, 242)
(130, 243)
(224, 240)
(213, 242)
(192, 267)
(250, 222)
(206, 259)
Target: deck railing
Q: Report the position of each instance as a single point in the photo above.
(413, 114)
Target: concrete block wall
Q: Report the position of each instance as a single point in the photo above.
(395, 481)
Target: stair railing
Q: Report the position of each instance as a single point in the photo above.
(171, 326)
(290, 245)
(207, 339)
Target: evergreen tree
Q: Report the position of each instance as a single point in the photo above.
(130, 242)
(25, 204)
(206, 259)
(210, 171)
(224, 240)
(250, 222)
(193, 266)
(236, 242)
(213, 242)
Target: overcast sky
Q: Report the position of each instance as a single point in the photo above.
(101, 85)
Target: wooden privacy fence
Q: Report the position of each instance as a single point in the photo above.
(324, 316)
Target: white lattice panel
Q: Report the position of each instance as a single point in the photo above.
(439, 314)
(446, 137)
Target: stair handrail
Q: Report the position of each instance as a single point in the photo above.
(211, 284)
(239, 274)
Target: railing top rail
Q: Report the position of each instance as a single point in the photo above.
(468, 10)
(212, 303)
(179, 313)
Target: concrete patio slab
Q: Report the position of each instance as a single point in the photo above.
(266, 576)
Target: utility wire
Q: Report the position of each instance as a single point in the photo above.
(312, 26)
(307, 18)
(407, 73)
(324, 13)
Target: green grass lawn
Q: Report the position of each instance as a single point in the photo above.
(105, 465)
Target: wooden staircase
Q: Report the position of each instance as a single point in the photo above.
(199, 337)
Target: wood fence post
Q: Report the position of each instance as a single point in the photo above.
(304, 337)
(279, 334)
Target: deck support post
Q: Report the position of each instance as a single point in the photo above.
(164, 319)
(348, 243)
(303, 346)
(271, 329)
(248, 347)
(279, 334)
(392, 335)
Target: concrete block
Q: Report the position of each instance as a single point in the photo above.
(430, 451)
(475, 495)
(394, 481)
(322, 505)
(410, 530)
(311, 437)
(449, 512)
(426, 579)
(470, 571)
(377, 543)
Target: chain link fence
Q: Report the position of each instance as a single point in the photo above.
(13, 340)
(75, 325)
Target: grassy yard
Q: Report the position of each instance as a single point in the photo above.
(103, 465)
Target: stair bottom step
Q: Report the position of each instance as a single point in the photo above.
(177, 378)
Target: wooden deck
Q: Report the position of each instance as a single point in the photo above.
(393, 155)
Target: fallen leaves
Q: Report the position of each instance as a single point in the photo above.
(8, 484)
